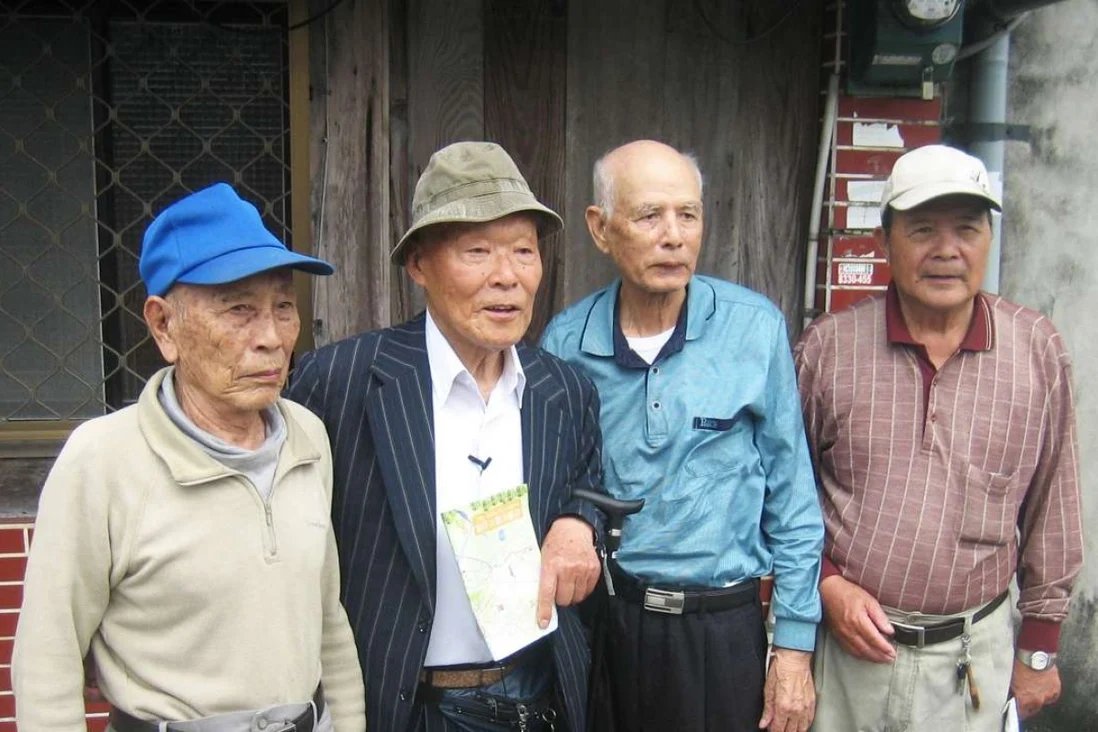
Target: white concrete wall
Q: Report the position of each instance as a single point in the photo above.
(1050, 262)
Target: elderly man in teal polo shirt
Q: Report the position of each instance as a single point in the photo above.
(700, 417)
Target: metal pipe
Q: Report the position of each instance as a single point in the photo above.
(988, 106)
(982, 45)
(831, 113)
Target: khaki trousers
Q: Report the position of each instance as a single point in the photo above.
(919, 691)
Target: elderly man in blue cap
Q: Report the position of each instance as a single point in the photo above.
(184, 543)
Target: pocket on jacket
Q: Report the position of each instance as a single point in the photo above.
(990, 513)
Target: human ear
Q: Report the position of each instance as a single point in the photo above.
(596, 224)
(159, 313)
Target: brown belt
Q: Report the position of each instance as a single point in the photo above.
(464, 678)
(468, 677)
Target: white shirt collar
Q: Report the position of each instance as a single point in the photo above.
(447, 368)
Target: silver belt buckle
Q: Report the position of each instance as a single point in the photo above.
(670, 602)
(918, 630)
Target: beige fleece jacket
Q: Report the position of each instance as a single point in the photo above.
(193, 595)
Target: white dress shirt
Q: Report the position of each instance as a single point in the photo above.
(466, 425)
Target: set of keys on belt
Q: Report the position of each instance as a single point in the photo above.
(965, 677)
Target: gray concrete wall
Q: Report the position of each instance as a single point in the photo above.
(1050, 262)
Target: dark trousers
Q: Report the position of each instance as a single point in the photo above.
(469, 710)
(694, 672)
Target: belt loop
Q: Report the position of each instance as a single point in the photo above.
(162, 726)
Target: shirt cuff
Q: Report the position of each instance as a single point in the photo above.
(799, 635)
(1039, 635)
(828, 569)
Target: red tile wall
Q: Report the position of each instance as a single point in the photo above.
(854, 267)
(14, 541)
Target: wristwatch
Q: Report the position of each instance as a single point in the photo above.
(1036, 660)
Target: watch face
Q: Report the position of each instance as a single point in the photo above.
(927, 13)
(1038, 661)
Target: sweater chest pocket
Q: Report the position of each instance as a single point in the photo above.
(989, 509)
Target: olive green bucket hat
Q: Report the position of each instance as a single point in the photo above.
(471, 182)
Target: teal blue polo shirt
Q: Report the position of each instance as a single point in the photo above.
(711, 436)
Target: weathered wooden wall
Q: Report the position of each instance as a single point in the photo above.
(558, 84)
(349, 160)
(683, 73)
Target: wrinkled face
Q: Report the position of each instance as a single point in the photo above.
(231, 344)
(480, 281)
(654, 232)
(938, 253)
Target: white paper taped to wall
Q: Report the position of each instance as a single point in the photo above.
(863, 217)
(877, 134)
(868, 191)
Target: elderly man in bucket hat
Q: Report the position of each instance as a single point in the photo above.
(942, 427)
(185, 542)
(456, 451)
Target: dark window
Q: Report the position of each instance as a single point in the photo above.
(107, 114)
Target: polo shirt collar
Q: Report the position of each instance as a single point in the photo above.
(981, 329)
(602, 334)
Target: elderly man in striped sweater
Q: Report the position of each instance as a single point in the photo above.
(942, 430)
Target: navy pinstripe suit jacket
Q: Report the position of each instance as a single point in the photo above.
(373, 392)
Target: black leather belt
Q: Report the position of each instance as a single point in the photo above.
(123, 722)
(918, 636)
(682, 601)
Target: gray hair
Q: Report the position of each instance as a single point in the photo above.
(179, 298)
(603, 181)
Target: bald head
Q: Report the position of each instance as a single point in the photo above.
(649, 221)
(638, 159)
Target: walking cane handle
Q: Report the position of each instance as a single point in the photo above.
(612, 507)
(615, 511)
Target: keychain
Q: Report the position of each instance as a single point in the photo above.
(965, 675)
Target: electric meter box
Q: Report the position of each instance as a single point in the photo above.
(901, 47)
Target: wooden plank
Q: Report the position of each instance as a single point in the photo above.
(445, 75)
(300, 140)
(764, 147)
(402, 297)
(445, 86)
(317, 157)
(524, 105)
(615, 79)
(353, 223)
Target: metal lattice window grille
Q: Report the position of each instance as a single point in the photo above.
(108, 112)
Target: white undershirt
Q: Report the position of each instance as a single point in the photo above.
(465, 425)
(648, 347)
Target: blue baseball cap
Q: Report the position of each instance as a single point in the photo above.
(211, 237)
